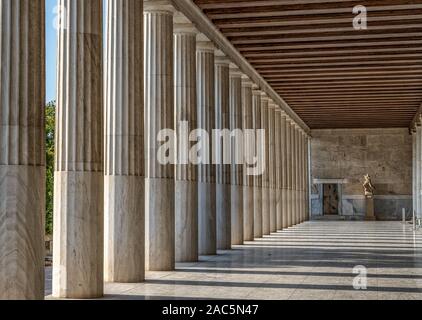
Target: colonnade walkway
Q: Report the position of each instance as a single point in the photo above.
(314, 260)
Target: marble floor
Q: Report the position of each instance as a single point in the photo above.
(314, 260)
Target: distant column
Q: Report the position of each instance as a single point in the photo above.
(256, 107)
(236, 169)
(279, 173)
(223, 196)
(22, 149)
(414, 165)
(266, 210)
(159, 115)
(300, 175)
(418, 167)
(247, 123)
(79, 178)
(294, 168)
(124, 144)
(307, 179)
(272, 167)
(185, 103)
(289, 173)
(284, 168)
(205, 60)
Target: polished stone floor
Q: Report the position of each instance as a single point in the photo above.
(314, 260)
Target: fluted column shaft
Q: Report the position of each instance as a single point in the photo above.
(223, 198)
(301, 175)
(205, 60)
(294, 173)
(159, 115)
(289, 173)
(256, 106)
(284, 169)
(124, 144)
(247, 124)
(22, 149)
(79, 179)
(236, 168)
(266, 208)
(305, 176)
(418, 167)
(186, 202)
(279, 174)
(414, 164)
(308, 179)
(297, 172)
(272, 167)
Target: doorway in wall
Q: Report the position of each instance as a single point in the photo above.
(331, 200)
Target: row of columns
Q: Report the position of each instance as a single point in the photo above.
(118, 210)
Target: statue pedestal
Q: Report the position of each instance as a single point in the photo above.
(370, 212)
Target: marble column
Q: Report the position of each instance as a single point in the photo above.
(301, 175)
(289, 173)
(298, 176)
(159, 115)
(294, 172)
(418, 167)
(272, 167)
(247, 124)
(284, 170)
(266, 208)
(308, 179)
(78, 255)
(257, 198)
(236, 167)
(414, 168)
(222, 113)
(278, 163)
(207, 213)
(124, 236)
(185, 103)
(298, 169)
(22, 149)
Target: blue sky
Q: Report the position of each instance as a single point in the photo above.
(51, 41)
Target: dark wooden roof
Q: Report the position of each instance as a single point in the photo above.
(332, 75)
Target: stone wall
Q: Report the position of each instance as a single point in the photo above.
(348, 154)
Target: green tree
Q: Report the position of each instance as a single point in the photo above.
(50, 129)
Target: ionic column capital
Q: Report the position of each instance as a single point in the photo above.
(271, 104)
(264, 97)
(183, 25)
(204, 44)
(246, 81)
(221, 59)
(235, 71)
(164, 6)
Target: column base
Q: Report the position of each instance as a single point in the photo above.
(207, 215)
(279, 209)
(257, 202)
(22, 207)
(160, 224)
(124, 236)
(248, 213)
(266, 212)
(186, 208)
(273, 210)
(78, 252)
(284, 208)
(224, 232)
(237, 214)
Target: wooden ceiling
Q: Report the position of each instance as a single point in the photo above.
(330, 74)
